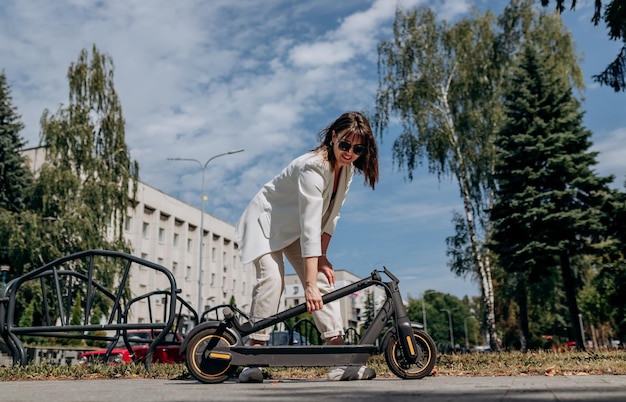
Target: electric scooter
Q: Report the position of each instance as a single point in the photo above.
(214, 350)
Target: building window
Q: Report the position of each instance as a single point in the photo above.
(212, 280)
(128, 224)
(145, 230)
(176, 238)
(142, 291)
(189, 244)
(174, 267)
(213, 254)
(161, 235)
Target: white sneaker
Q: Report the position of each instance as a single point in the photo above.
(349, 373)
(251, 374)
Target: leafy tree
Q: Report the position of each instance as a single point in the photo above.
(548, 208)
(85, 180)
(610, 280)
(83, 189)
(437, 78)
(15, 177)
(435, 306)
(446, 83)
(614, 17)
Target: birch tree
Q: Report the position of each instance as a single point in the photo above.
(446, 83)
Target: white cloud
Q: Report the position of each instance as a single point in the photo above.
(611, 149)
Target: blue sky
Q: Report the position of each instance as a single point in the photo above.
(197, 78)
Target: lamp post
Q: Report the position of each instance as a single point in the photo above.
(424, 308)
(465, 326)
(450, 324)
(582, 330)
(4, 268)
(203, 167)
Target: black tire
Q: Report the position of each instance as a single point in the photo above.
(204, 368)
(422, 366)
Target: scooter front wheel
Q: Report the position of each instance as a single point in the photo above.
(403, 367)
(203, 363)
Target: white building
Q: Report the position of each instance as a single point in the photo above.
(165, 230)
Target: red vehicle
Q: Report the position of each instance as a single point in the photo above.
(167, 352)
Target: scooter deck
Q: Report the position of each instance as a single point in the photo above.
(295, 356)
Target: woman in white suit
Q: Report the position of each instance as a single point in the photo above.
(294, 216)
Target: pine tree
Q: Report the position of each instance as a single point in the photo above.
(15, 177)
(370, 310)
(548, 200)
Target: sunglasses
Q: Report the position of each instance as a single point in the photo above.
(357, 149)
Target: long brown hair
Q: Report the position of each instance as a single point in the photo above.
(353, 124)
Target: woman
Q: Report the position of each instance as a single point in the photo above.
(294, 215)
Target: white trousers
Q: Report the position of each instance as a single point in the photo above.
(270, 284)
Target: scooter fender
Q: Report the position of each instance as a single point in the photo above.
(205, 325)
(392, 335)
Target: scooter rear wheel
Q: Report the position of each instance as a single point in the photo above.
(205, 366)
(422, 366)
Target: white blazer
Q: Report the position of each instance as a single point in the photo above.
(291, 206)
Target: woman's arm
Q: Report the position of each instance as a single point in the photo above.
(313, 265)
(311, 291)
(323, 265)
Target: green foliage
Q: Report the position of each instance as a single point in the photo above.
(433, 306)
(545, 181)
(88, 166)
(15, 177)
(445, 83)
(613, 13)
(549, 203)
(82, 191)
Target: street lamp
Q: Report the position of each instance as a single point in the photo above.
(450, 324)
(424, 308)
(203, 166)
(465, 326)
(582, 329)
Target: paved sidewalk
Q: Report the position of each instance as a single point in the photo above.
(600, 388)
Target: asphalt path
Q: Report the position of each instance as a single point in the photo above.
(466, 389)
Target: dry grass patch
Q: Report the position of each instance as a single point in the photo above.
(487, 364)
